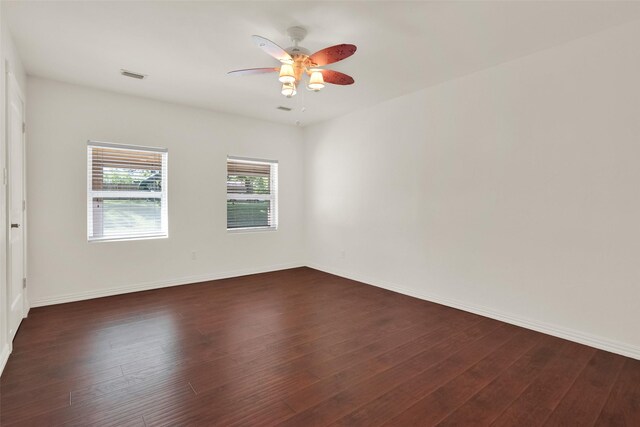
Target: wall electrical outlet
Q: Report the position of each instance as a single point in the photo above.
(194, 255)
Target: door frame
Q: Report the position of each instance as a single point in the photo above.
(11, 85)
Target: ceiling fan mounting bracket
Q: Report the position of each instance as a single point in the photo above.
(296, 34)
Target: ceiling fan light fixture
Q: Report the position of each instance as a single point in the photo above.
(289, 89)
(316, 81)
(297, 64)
(286, 74)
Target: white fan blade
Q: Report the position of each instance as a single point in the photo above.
(272, 49)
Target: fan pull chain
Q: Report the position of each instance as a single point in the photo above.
(304, 98)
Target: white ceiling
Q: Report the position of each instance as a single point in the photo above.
(186, 48)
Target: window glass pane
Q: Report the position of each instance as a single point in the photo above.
(248, 213)
(122, 216)
(121, 179)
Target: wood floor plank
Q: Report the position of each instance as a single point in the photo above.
(28, 390)
(540, 398)
(436, 405)
(247, 362)
(438, 342)
(582, 403)
(622, 407)
(54, 368)
(17, 402)
(492, 400)
(300, 347)
(133, 421)
(247, 396)
(398, 400)
(347, 401)
(128, 402)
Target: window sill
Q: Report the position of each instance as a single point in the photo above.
(127, 239)
(251, 230)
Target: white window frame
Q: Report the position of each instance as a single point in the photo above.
(272, 197)
(104, 194)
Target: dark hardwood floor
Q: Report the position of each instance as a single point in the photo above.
(301, 348)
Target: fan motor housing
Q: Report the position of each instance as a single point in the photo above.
(298, 50)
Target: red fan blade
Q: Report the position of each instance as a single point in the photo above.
(272, 49)
(336, 77)
(333, 54)
(250, 71)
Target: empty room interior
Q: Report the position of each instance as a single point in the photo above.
(297, 213)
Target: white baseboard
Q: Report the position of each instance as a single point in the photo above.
(546, 328)
(4, 356)
(79, 296)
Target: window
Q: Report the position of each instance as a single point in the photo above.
(252, 187)
(127, 192)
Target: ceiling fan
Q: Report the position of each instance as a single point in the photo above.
(298, 62)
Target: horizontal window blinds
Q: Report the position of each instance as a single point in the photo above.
(252, 194)
(127, 192)
(237, 167)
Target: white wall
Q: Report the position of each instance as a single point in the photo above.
(63, 266)
(513, 192)
(9, 61)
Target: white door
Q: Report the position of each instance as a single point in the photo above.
(16, 206)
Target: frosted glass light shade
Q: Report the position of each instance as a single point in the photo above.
(288, 89)
(316, 81)
(286, 74)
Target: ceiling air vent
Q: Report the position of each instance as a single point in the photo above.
(133, 75)
(284, 108)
